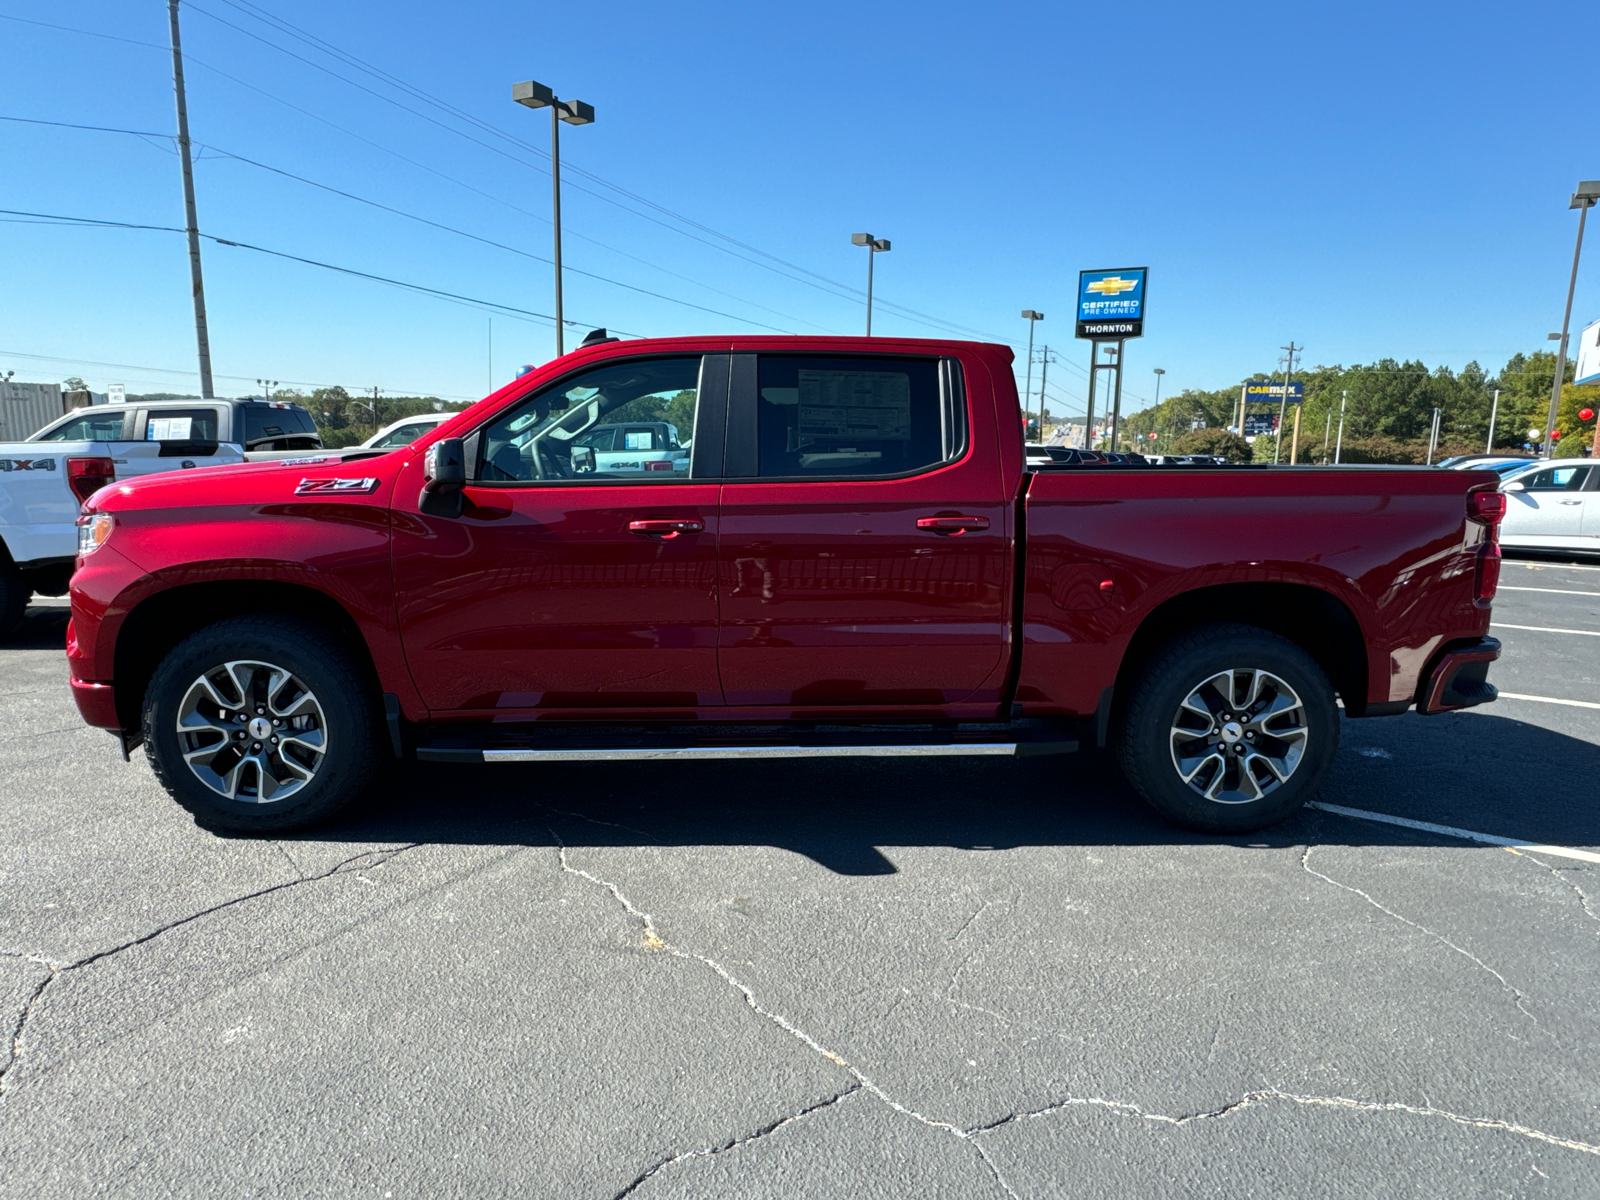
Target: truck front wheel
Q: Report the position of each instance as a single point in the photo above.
(1229, 729)
(261, 724)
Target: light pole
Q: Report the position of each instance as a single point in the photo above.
(1338, 446)
(1159, 372)
(266, 386)
(573, 112)
(1494, 411)
(875, 247)
(1030, 317)
(1583, 200)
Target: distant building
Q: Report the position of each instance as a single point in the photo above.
(26, 408)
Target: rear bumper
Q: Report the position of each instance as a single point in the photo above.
(1459, 678)
(97, 702)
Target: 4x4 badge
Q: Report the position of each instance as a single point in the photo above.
(309, 487)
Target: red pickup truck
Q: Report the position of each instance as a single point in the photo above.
(855, 557)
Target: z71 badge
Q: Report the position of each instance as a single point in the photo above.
(342, 487)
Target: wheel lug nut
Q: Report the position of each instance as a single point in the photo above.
(257, 746)
(261, 708)
(276, 723)
(274, 741)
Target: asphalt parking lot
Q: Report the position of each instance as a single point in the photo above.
(743, 980)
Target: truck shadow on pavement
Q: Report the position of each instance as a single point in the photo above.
(1484, 773)
(1477, 771)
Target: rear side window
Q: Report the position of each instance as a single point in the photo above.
(858, 417)
(267, 421)
(99, 426)
(181, 425)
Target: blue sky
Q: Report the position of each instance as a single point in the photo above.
(1365, 180)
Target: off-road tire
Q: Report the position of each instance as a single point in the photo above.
(1154, 720)
(14, 596)
(346, 697)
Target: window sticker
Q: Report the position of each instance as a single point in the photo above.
(868, 405)
(637, 439)
(168, 429)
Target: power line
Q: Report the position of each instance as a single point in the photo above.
(284, 26)
(89, 362)
(455, 297)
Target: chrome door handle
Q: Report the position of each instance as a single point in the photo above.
(953, 525)
(1572, 502)
(667, 528)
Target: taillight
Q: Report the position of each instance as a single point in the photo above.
(86, 476)
(1487, 576)
(1486, 506)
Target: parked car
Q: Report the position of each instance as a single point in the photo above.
(1553, 506)
(45, 479)
(1486, 462)
(856, 560)
(405, 431)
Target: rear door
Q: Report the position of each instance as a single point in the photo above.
(169, 439)
(864, 545)
(563, 588)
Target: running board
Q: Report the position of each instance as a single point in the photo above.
(691, 753)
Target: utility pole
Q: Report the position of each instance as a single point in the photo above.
(374, 410)
(1338, 447)
(1283, 405)
(191, 224)
(1494, 411)
(1433, 435)
(1044, 370)
(491, 355)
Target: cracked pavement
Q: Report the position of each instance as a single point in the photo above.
(811, 980)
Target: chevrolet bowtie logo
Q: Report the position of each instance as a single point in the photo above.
(1112, 285)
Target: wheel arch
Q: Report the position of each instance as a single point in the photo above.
(1315, 620)
(160, 621)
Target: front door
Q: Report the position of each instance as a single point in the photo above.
(563, 589)
(863, 554)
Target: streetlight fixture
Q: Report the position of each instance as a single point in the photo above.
(573, 112)
(875, 247)
(1583, 200)
(266, 386)
(1030, 317)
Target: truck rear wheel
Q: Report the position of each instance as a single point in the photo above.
(1230, 729)
(14, 595)
(261, 724)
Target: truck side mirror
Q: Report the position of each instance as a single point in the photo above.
(444, 474)
(1514, 486)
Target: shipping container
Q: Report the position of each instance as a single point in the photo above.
(26, 408)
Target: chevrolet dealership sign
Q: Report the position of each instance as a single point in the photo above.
(1111, 303)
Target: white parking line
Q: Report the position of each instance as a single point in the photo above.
(1548, 566)
(1506, 587)
(1544, 628)
(1488, 839)
(1549, 699)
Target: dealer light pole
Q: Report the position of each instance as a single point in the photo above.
(1494, 411)
(1338, 446)
(1031, 318)
(1583, 200)
(573, 112)
(875, 247)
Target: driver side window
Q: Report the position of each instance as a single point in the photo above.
(567, 433)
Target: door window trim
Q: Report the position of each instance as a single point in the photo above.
(742, 458)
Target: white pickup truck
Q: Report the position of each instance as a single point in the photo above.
(45, 479)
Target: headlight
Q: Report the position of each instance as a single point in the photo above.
(93, 530)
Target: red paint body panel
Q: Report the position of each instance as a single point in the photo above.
(1394, 547)
(819, 599)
